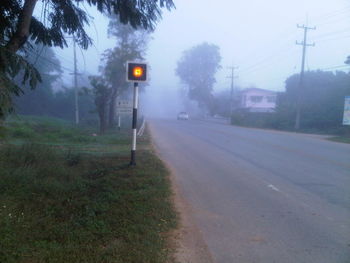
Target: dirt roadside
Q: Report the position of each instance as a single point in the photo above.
(187, 239)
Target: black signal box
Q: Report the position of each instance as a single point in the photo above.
(136, 72)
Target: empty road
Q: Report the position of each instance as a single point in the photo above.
(261, 196)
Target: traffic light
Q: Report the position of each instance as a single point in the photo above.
(136, 72)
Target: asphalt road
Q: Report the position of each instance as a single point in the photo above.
(261, 196)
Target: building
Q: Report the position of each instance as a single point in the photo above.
(258, 100)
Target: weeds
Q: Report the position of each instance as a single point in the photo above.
(60, 204)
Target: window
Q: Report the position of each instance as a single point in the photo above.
(271, 99)
(256, 99)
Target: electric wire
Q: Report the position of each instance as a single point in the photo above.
(51, 62)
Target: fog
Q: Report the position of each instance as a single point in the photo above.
(256, 36)
(238, 150)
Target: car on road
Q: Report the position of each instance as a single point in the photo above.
(183, 116)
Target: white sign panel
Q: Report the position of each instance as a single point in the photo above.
(124, 104)
(346, 118)
(124, 111)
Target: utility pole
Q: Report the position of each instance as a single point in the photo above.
(232, 77)
(76, 105)
(301, 79)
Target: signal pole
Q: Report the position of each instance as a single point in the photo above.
(232, 77)
(134, 122)
(301, 79)
(76, 105)
(135, 72)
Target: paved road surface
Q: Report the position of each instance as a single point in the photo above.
(261, 196)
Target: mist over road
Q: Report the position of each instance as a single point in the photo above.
(258, 195)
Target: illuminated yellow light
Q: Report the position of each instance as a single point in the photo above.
(137, 72)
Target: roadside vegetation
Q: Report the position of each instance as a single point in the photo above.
(322, 106)
(343, 139)
(68, 195)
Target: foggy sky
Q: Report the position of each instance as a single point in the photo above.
(249, 32)
(257, 36)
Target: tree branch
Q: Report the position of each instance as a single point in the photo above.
(22, 31)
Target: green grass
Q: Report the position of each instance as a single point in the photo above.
(45, 130)
(81, 202)
(342, 139)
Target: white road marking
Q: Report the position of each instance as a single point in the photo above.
(274, 188)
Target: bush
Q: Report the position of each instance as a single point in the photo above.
(281, 120)
(254, 119)
(22, 132)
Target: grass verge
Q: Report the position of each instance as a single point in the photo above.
(340, 139)
(60, 203)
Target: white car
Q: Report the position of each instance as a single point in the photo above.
(182, 116)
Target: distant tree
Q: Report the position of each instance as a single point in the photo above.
(60, 18)
(196, 69)
(39, 101)
(347, 61)
(102, 92)
(62, 105)
(131, 45)
(222, 103)
(44, 100)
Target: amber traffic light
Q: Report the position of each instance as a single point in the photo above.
(136, 71)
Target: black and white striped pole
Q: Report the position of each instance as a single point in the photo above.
(136, 72)
(134, 123)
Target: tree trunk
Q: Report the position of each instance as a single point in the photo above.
(102, 115)
(102, 112)
(22, 31)
(112, 108)
(13, 45)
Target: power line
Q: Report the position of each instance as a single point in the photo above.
(331, 15)
(50, 61)
(266, 59)
(64, 58)
(282, 48)
(332, 39)
(262, 59)
(345, 30)
(334, 19)
(335, 67)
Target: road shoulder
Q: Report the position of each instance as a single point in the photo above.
(187, 240)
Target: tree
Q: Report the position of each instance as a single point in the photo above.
(196, 69)
(347, 61)
(131, 45)
(222, 103)
(101, 92)
(39, 101)
(61, 18)
(322, 100)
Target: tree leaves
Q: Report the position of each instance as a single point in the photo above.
(15, 64)
(60, 18)
(101, 91)
(347, 61)
(131, 45)
(140, 13)
(197, 68)
(322, 100)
